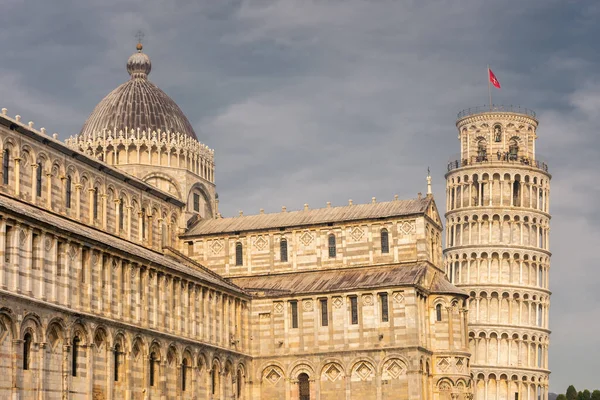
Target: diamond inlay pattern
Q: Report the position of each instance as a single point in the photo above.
(216, 246)
(306, 238)
(357, 233)
(260, 243)
(332, 373)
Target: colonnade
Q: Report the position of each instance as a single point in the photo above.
(501, 190)
(72, 273)
(167, 149)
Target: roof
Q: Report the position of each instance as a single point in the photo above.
(138, 104)
(356, 212)
(345, 279)
(57, 223)
(78, 155)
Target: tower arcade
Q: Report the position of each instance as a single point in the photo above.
(497, 249)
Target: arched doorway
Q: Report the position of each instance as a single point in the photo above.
(303, 387)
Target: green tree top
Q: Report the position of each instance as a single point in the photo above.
(596, 395)
(571, 393)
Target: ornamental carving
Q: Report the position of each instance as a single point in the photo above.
(337, 302)
(273, 375)
(48, 244)
(332, 372)
(306, 238)
(364, 371)
(394, 368)
(307, 305)
(357, 233)
(398, 297)
(260, 243)
(443, 364)
(72, 251)
(22, 237)
(216, 246)
(367, 299)
(278, 307)
(407, 227)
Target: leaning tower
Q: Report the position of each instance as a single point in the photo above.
(497, 250)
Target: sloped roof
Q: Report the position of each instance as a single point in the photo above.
(151, 257)
(310, 217)
(441, 285)
(344, 279)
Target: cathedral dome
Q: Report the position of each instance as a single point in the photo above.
(137, 104)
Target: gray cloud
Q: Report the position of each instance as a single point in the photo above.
(315, 101)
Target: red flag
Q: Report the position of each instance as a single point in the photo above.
(493, 79)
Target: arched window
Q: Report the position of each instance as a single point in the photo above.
(96, 203)
(38, 179)
(68, 192)
(303, 387)
(239, 382)
(539, 361)
(540, 315)
(143, 223)
(385, 243)
(438, 312)
(481, 150)
(516, 193)
(214, 380)
(332, 249)
(5, 166)
(75, 355)
(116, 353)
(184, 370)
(283, 250)
(121, 214)
(26, 351)
(513, 149)
(239, 254)
(475, 190)
(152, 368)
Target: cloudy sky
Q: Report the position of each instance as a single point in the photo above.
(314, 101)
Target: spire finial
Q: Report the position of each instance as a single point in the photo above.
(139, 36)
(428, 182)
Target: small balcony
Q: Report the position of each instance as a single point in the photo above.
(494, 109)
(497, 159)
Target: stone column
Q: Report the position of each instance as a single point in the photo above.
(49, 189)
(110, 371)
(118, 216)
(17, 355)
(104, 210)
(129, 222)
(163, 379)
(128, 365)
(90, 370)
(65, 372)
(34, 183)
(41, 371)
(17, 176)
(149, 231)
(91, 192)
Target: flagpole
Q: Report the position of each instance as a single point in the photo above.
(489, 86)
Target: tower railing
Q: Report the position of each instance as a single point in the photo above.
(497, 159)
(495, 108)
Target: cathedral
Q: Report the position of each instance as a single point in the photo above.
(120, 279)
